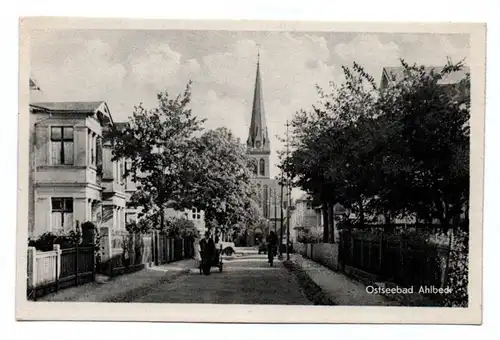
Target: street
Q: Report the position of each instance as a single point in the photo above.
(247, 279)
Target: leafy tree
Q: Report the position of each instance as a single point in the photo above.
(181, 227)
(397, 151)
(220, 180)
(157, 143)
(430, 125)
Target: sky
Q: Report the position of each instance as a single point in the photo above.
(128, 67)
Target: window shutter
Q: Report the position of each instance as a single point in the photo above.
(41, 142)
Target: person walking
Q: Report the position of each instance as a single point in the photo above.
(207, 250)
(272, 241)
(197, 253)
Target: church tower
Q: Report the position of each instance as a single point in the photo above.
(258, 144)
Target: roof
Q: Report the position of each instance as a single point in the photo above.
(451, 78)
(77, 107)
(89, 108)
(33, 85)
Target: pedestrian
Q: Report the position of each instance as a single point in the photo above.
(207, 249)
(272, 241)
(197, 252)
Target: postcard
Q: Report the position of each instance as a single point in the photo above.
(250, 171)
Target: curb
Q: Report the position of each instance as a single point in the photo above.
(142, 290)
(312, 291)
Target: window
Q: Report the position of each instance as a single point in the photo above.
(128, 169)
(195, 214)
(62, 214)
(255, 167)
(309, 205)
(130, 217)
(92, 148)
(98, 151)
(121, 172)
(61, 139)
(262, 167)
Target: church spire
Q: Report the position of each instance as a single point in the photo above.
(257, 135)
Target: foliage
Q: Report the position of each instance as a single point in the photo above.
(46, 241)
(401, 150)
(220, 181)
(181, 227)
(458, 270)
(142, 226)
(310, 236)
(157, 142)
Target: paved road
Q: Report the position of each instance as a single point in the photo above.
(245, 280)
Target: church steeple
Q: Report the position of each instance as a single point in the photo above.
(258, 135)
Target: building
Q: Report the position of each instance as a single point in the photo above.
(259, 149)
(69, 181)
(390, 74)
(305, 217)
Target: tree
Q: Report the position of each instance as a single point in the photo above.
(401, 150)
(220, 181)
(433, 153)
(157, 143)
(181, 227)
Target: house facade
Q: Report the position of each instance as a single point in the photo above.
(305, 217)
(73, 178)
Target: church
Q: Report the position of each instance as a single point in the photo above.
(271, 193)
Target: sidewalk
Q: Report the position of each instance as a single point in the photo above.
(122, 288)
(340, 289)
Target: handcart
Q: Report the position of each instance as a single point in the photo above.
(216, 260)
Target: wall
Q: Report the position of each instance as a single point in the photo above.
(324, 253)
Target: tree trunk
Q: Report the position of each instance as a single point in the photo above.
(162, 219)
(331, 223)
(324, 209)
(361, 212)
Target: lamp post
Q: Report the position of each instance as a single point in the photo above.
(275, 213)
(289, 200)
(281, 216)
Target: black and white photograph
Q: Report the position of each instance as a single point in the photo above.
(242, 166)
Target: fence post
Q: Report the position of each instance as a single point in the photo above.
(77, 262)
(381, 252)
(362, 254)
(351, 239)
(32, 269)
(57, 249)
(94, 261)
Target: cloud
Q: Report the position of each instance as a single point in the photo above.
(161, 67)
(291, 65)
(83, 71)
(126, 69)
(434, 50)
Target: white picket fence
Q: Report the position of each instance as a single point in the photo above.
(43, 267)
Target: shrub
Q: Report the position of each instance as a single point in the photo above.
(314, 235)
(46, 241)
(458, 270)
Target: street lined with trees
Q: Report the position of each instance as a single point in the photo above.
(399, 150)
